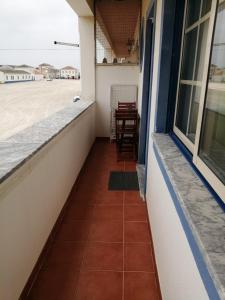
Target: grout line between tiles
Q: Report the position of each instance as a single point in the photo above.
(82, 263)
(117, 271)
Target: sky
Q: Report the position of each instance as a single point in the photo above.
(36, 24)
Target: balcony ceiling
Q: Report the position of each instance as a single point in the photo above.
(82, 8)
(118, 20)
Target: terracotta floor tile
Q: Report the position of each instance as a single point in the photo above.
(103, 256)
(133, 198)
(135, 213)
(78, 212)
(136, 232)
(80, 198)
(99, 197)
(140, 286)
(108, 212)
(58, 282)
(63, 253)
(130, 166)
(106, 231)
(100, 286)
(76, 231)
(111, 198)
(88, 193)
(88, 254)
(138, 257)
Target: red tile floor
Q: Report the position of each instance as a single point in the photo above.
(102, 249)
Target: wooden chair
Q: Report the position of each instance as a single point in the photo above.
(126, 105)
(127, 131)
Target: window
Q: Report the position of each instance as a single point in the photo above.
(200, 108)
(191, 73)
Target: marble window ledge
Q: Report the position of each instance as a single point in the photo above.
(204, 216)
(19, 148)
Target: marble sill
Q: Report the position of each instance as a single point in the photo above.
(19, 148)
(206, 219)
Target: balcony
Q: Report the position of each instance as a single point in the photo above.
(76, 239)
(101, 248)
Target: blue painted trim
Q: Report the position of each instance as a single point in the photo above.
(202, 267)
(152, 14)
(188, 155)
(166, 50)
(146, 90)
(16, 81)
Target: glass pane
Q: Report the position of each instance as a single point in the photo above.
(193, 11)
(194, 113)
(217, 69)
(203, 33)
(183, 107)
(212, 144)
(189, 55)
(206, 7)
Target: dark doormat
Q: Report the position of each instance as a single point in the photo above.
(123, 181)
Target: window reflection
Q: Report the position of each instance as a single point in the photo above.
(217, 70)
(212, 143)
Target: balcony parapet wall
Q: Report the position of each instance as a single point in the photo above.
(38, 169)
(21, 147)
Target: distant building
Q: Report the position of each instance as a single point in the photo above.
(11, 75)
(53, 73)
(26, 68)
(6, 67)
(37, 75)
(69, 73)
(48, 71)
(217, 74)
(45, 69)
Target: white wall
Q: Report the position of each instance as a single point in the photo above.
(2, 77)
(106, 76)
(81, 7)
(178, 274)
(32, 198)
(87, 57)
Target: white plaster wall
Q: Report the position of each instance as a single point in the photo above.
(2, 77)
(81, 7)
(178, 274)
(87, 57)
(31, 200)
(106, 76)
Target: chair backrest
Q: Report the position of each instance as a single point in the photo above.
(126, 105)
(126, 115)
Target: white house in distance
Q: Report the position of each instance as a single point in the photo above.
(38, 75)
(25, 68)
(69, 72)
(12, 75)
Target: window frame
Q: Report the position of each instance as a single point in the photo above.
(213, 180)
